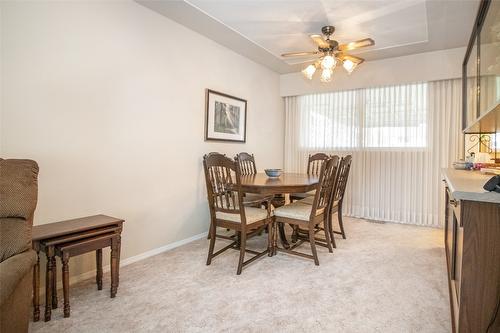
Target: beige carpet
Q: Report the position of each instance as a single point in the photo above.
(383, 278)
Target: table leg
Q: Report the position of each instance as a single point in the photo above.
(114, 265)
(98, 277)
(65, 278)
(48, 283)
(295, 233)
(54, 283)
(270, 249)
(283, 239)
(36, 286)
(119, 251)
(275, 237)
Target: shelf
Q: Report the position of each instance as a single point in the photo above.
(487, 123)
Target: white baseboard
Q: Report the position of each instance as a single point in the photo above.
(131, 260)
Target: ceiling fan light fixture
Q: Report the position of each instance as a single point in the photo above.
(330, 54)
(309, 71)
(328, 62)
(349, 65)
(326, 75)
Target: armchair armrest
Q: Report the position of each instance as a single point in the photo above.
(12, 271)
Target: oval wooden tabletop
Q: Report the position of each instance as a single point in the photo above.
(286, 183)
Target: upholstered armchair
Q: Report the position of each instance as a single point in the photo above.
(18, 198)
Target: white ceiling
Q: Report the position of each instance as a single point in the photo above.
(263, 30)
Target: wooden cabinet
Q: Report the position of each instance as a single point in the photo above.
(472, 243)
(480, 73)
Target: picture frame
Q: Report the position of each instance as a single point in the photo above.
(225, 117)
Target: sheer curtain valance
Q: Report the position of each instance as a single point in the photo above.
(400, 137)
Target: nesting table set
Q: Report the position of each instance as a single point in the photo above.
(68, 239)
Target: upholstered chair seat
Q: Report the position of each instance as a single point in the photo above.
(297, 211)
(252, 215)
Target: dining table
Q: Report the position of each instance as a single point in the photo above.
(286, 183)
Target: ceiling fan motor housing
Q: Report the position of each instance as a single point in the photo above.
(327, 30)
(333, 45)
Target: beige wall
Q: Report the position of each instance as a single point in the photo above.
(428, 66)
(108, 98)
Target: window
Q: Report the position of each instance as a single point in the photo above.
(388, 117)
(329, 120)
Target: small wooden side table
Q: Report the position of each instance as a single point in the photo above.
(96, 243)
(47, 236)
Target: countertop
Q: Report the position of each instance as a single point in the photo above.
(468, 185)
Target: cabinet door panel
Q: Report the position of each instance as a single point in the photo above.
(448, 227)
(452, 234)
(459, 241)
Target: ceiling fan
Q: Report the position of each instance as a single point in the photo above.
(330, 53)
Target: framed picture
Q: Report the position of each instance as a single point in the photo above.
(226, 117)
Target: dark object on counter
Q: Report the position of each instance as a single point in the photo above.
(493, 184)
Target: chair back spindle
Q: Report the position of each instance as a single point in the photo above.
(327, 178)
(222, 177)
(315, 162)
(246, 162)
(343, 175)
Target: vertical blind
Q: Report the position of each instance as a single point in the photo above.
(400, 137)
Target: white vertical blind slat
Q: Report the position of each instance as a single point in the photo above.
(400, 137)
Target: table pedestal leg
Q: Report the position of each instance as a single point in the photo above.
(283, 239)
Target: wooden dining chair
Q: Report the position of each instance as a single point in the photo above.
(314, 163)
(247, 166)
(327, 227)
(212, 153)
(338, 195)
(225, 201)
(311, 216)
(247, 163)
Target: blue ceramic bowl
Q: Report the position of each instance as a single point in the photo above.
(274, 173)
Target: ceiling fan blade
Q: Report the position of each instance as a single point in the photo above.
(318, 39)
(357, 44)
(354, 59)
(299, 54)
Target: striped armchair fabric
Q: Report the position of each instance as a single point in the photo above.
(18, 199)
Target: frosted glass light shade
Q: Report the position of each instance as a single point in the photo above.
(349, 65)
(328, 62)
(326, 75)
(309, 71)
